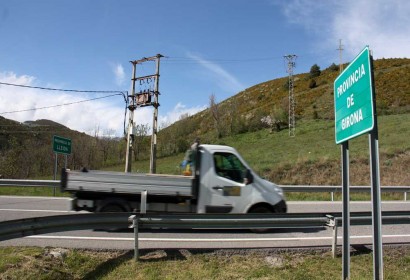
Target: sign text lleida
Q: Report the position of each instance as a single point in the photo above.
(61, 145)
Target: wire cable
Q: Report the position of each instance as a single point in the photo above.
(123, 93)
(60, 89)
(59, 105)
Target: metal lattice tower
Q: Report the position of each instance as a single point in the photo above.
(291, 64)
(340, 49)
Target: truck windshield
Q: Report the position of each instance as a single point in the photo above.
(227, 165)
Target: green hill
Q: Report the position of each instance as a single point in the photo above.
(26, 149)
(244, 111)
(311, 157)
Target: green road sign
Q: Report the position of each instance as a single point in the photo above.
(353, 93)
(61, 145)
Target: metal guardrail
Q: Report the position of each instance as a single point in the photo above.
(287, 188)
(334, 189)
(42, 225)
(363, 219)
(252, 221)
(29, 183)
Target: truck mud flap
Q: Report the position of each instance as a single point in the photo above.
(218, 209)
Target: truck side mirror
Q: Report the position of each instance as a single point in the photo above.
(248, 177)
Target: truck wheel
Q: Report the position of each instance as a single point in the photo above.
(260, 209)
(112, 208)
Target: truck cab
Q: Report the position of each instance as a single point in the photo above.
(229, 185)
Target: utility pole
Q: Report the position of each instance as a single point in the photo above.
(340, 49)
(141, 99)
(153, 157)
(291, 64)
(130, 134)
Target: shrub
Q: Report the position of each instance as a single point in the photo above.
(334, 67)
(314, 71)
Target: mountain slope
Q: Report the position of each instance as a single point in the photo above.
(244, 111)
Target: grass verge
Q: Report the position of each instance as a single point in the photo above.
(32, 191)
(39, 263)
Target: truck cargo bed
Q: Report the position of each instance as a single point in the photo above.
(126, 183)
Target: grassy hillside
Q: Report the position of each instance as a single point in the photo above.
(312, 157)
(26, 149)
(243, 112)
(309, 158)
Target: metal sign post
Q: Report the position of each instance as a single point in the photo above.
(355, 114)
(346, 211)
(61, 145)
(376, 197)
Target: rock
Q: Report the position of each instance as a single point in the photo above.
(275, 261)
(59, 253)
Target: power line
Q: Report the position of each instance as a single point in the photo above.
(59, 105)
(123, 93)
(191, 60)
(66, 90)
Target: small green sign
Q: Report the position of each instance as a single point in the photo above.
(61, 145)
(353, 94)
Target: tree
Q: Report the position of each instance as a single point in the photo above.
(314, 71)
(140, 138)
(334, 67)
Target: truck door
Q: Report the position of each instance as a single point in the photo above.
(228, 191)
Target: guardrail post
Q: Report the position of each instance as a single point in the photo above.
(134, 224)
(143, 206)
(332, 195)
(333, 222)
(405, 196)
(334, 244)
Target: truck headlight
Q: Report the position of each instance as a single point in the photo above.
(279, 190)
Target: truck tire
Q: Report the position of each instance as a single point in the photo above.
(260, 209)
(112, 208)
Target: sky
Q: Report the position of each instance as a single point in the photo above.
(218, 47)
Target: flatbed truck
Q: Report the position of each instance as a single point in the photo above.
(222, 182)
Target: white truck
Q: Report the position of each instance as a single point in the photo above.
(222, 182)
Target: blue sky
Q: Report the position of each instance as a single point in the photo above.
(218, 47)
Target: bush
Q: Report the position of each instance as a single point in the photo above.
(312, 83)
(334, 67)
(314, 71)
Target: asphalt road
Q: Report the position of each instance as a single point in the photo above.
(13, 207)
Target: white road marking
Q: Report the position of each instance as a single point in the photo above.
(206, 239)
(46, 211)
(36, 197)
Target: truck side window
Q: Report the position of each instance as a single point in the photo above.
(229, 166)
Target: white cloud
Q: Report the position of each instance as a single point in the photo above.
(119, 74)
(223, 78)
(101, 116)
(179, 110)
(383, 25)
(85, 117)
